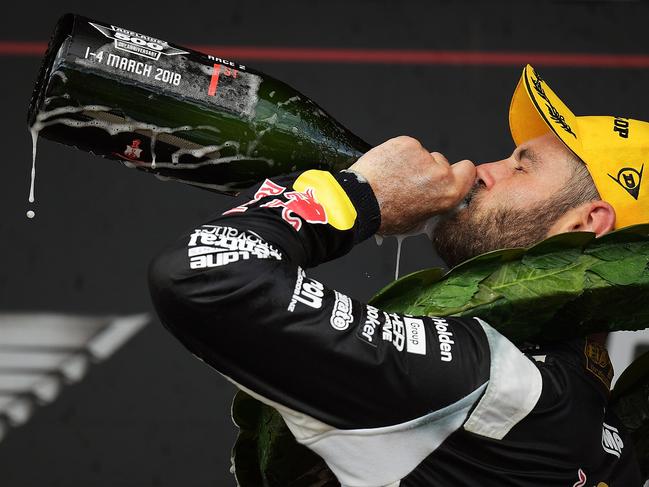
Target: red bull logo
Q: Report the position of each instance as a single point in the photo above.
(300, 204)
(133, 151)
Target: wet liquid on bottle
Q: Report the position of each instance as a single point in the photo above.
(100, 118)
(154, 137)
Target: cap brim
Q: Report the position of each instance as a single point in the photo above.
(535, 108)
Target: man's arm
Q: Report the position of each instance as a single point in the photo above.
(236, 293)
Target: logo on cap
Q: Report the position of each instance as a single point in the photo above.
(621, 126)
(629, 179)
(552, 111)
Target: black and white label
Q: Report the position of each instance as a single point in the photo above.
(445, 339)
(139, 44)
(307, 291)
(393, 331)
(341, 316)
(164, 68)
(415, 335)
(215, 246)
(611, 440)
(367, 332)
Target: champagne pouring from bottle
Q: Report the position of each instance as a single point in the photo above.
(178, 113)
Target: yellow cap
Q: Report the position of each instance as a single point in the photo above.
(614, 149)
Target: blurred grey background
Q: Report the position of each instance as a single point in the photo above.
(148, 413)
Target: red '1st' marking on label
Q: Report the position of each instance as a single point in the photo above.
(214, 81)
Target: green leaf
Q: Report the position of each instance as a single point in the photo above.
(410, 293)
(630, 402)
(632, 378)
(609, 252)
(515, 281)
(405, 290)
(267, 455)
(628, 234)
(552, 260)
(558, 250)
(456, 289)
(624, 272)
(529, 296)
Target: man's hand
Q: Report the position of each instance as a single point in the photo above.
(412, 184)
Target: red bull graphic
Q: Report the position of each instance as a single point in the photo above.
(297, 204)
(133, 151)
(303, 204)
(268, 188)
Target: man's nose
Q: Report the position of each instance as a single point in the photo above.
(491, 172)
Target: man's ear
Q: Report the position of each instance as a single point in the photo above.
(596, 216)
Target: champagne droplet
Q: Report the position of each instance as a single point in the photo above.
(31, 214)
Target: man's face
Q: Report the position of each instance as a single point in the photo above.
(511, 204)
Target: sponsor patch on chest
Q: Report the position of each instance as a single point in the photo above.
(308, 292)
(445, 339)
(598, 362)
(611, 440)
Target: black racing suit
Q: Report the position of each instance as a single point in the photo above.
(385, 399)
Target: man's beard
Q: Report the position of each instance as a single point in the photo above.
(471, 231)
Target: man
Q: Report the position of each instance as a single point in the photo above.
(393, 400)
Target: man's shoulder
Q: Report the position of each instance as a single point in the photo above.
(579, 366)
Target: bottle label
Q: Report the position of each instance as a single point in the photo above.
(164, 68)
(139, 44)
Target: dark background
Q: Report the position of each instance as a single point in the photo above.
(152, 415)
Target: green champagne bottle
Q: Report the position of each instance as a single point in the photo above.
(178, 113)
